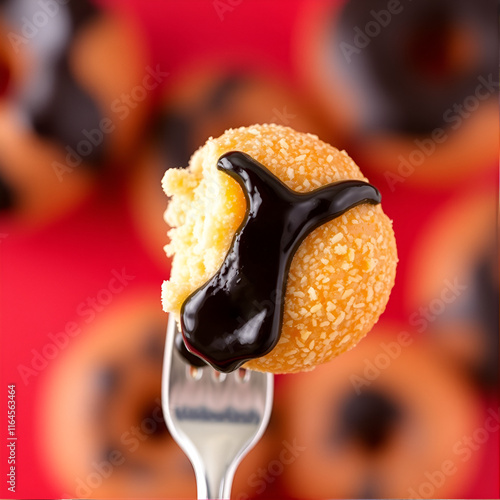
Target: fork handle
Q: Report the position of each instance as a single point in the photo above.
(208, 488)
(214, 480)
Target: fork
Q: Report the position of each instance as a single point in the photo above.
(216, 418)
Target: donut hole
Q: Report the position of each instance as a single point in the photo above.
(411, 83)
(437, 51)
(438, 48)
(368, 420)
(374, 421)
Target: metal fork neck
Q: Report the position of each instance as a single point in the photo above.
(212, 480)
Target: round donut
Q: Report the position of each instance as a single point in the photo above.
(342, 273)
(378, 420)
(453, 283)
(427, 113)
(102, 428)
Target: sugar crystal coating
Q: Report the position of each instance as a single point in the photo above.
(341, 275)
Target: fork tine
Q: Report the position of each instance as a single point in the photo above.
(216, 420)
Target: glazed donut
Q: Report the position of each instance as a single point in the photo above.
(201, 102)
(339, 278)
(62, 115)
(454, 283)
(102, 410)
(414, 85)
(373, 422)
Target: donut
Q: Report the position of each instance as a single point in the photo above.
(31, 192)
(200, 102)
(427, 113)
(380, 420)
(338, 280)
(65, 68)
(207, 99)
(111, 441)
(112, 377)
(454, 283)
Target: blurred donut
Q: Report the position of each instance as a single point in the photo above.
(31, 192)
(73, 98)
(102, 406)
(373, 422)
(203, 102)
(414, 85)
(453, 283)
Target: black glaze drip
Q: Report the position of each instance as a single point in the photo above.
(189, 357)
(368, 419)
(236, 316)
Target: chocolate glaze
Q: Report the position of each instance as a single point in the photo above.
(236, 316)
(189, 357)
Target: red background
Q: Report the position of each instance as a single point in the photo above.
(47, 272)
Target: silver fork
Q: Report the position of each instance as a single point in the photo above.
(216, 418)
